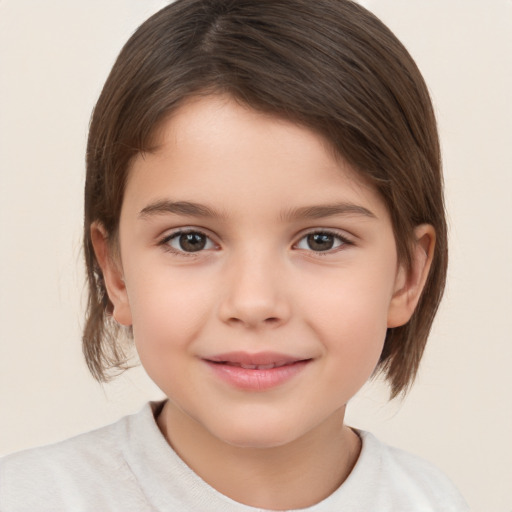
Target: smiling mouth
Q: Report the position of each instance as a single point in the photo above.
(257, 361)
(269, 366)
(256, 372)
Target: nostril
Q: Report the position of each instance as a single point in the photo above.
(273, 320)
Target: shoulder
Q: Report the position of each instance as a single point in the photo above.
(410, 482)
(71, 474)
(67, 456)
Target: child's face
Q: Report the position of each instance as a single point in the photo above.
(243, 240)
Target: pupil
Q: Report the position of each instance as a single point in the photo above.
(320, 241)
(192, 242)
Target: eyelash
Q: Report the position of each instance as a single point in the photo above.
(164, 243)
(343, 241)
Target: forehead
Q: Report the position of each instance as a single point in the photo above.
(214, 149)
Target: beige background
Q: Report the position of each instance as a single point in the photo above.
(55, 56)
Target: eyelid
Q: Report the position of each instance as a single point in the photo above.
(345, 239)
(164, 240)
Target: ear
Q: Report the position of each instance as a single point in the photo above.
(409, 284)
(110, 265)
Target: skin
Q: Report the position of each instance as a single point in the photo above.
(257, 285)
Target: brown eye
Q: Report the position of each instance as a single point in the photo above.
(191, 241)
(321, 241)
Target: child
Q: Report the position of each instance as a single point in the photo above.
(264, 217)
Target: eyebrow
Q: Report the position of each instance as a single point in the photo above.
(192, 209)
(178, 207)
(327, 210)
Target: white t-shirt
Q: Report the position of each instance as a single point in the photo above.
(128, 466)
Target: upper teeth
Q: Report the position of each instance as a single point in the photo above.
(258, 366)
(268, 366)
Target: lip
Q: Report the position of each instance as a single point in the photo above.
(258, 371)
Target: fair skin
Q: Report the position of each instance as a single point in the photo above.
(243, 240)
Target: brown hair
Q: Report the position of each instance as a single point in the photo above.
(329, 65)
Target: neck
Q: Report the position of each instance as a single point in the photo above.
(296, 475)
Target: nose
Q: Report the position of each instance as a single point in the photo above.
(254, 293)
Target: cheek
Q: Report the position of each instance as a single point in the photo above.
(353, 297)
(168, 309)
(353, 336)
(349, 314)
